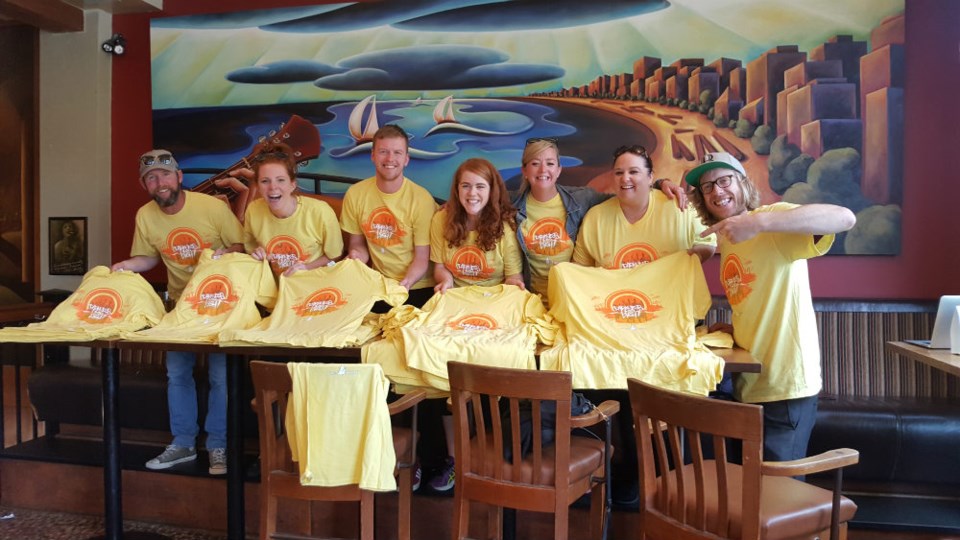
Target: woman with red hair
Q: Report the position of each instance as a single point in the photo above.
(473, 238)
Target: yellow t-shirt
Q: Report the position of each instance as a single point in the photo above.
(105, 305)
(468, 264)
(204, 222)
(608, 240)
(311, 232)
(496, 326)
(768, 286)
(323, 307)
(338, 426)
(545, 234)
(392, 223)
(638, 322)
(221, 294)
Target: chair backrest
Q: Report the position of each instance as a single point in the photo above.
(693, 500)
(272, 387)
(485, 399)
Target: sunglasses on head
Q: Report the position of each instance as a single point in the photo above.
(635, 149)
(551, 140)
(162, 159)
(271, 155)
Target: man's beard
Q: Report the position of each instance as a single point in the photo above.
(170, 200)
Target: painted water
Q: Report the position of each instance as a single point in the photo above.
(443, 133)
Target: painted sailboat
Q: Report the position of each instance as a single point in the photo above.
(363, 133)
(446, 122)
(443, 112)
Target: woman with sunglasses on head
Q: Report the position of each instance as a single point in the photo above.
(291, 231)
(549, 214)
(638, 226)
(472, 238)
(641, 224)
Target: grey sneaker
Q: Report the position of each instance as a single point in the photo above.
(172, 455)
(218, 460)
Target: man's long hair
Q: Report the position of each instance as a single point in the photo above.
(751, 197)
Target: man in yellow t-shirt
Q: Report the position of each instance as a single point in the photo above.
(175, 227)
(763, 270)
(387, 218)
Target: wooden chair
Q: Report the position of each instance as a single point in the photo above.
(551, 477)
(280, 476)
(712, 498)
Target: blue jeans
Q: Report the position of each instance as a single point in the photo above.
(182, 399)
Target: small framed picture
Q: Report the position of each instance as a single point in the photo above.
(68, 246)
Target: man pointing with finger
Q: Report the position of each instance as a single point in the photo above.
(763, 270)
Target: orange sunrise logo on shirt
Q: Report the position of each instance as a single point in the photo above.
(184, 246)
(736, 279)
(629, 307)
(320, 302)
(469, 263)
(547, 237)
(283, 252)
(633, 255)
(99, 306)
(213, 296)
(477, 321)
(382, 228)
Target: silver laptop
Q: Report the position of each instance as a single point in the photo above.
(941, 326)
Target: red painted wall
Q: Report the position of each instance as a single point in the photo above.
(929, 263)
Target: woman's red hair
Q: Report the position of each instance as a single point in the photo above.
(490, 225)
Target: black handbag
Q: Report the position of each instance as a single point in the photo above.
(548, 416)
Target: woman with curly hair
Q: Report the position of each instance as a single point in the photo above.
(473, 238)
(473, 241)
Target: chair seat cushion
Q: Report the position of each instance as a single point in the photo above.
(789, 508)
(586, 455)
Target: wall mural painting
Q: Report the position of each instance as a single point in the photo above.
(808, 95)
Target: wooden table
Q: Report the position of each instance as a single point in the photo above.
(941, 359)
(737, 360)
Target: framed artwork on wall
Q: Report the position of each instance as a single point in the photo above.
(68, 246)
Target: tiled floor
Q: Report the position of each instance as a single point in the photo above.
(21, 524)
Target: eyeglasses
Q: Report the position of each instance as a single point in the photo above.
(551, 140)
(162, 159)
(635, 149)
(724, 181)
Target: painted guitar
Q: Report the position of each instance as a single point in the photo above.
(301, 135)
